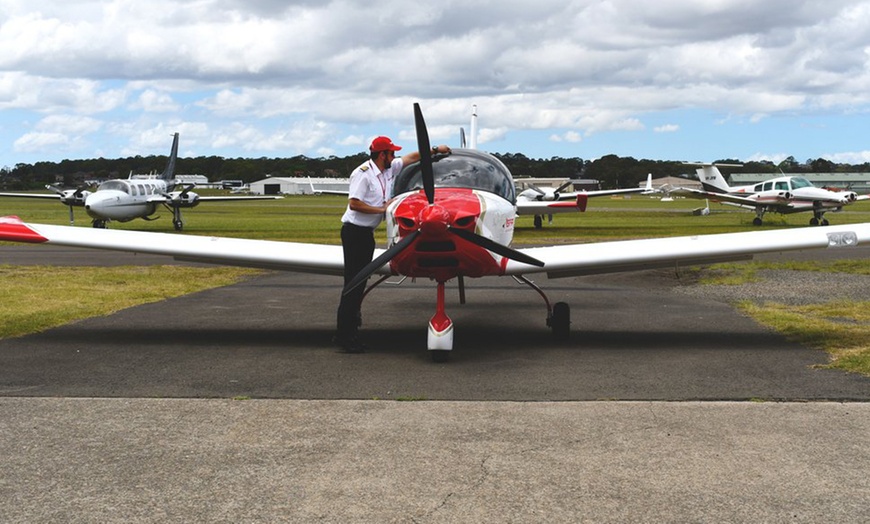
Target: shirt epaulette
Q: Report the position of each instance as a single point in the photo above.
(364, 167)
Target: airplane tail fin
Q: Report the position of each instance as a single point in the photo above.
(169, 172)
(711, 178)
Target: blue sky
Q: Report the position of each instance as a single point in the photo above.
(694, 80)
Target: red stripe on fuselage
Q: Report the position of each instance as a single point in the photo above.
(14, 230)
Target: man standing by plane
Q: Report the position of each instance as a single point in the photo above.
(370, 193)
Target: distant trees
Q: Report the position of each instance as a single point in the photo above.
(611, 170)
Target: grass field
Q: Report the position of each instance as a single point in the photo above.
(317, 219)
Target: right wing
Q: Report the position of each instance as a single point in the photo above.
(264, 254)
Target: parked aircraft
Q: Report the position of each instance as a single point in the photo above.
(540, 201)
(453, 217)
(784, 195)
(123, 200)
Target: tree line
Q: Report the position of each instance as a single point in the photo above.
(611, 171)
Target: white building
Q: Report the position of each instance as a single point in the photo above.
(297, 185)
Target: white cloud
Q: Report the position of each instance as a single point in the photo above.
(268, 76)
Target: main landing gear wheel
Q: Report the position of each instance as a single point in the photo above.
(560, 322)
(100, 223)
(539, 222)
(756, 221)
(178, 224)
(815, 221)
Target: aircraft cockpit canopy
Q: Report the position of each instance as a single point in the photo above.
(463, 168)
(114, 185)
(798, 182)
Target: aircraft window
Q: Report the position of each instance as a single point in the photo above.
(115, 185)
(758, 188)
(464, 168)
(798, 182)
(781, 185)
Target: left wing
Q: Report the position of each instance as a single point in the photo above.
(559, 261)
(632, 255)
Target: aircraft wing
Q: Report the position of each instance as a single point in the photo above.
(264, 254)
(559, 261)
(727, 198)
(30, 195)
(534, 207)
(230, 198)
(631, 255)
(161, 199)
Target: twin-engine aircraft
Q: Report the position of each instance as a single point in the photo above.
(784, 195)
(123, 200)
(452, 217)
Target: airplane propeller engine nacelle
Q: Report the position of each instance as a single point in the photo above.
(774, 196)
(851, 196)
(71, 197)
(183, 198)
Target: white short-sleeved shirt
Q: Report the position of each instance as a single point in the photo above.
(373, 187)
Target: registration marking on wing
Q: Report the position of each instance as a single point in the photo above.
(843, 239)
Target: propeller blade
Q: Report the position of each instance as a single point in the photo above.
(495, 247)
(536, 189)
(425, 154)
(564, 186)
(376, 264)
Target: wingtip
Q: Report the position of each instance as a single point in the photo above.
(13, 229)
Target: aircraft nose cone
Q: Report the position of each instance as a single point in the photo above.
(434, 220)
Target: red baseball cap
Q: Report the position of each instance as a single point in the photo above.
(383, 143)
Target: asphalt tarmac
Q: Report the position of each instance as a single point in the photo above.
(641, 416)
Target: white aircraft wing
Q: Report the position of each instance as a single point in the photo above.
(631, 255)
(31, 195)
(559, 261)
(726, 198)
(533, 207)
(266, 254)
(160, 199)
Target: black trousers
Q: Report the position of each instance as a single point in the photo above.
(359, 247)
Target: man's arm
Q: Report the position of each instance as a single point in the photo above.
(410, 158)
(361, 207)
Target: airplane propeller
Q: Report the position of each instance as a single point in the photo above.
(429, 189)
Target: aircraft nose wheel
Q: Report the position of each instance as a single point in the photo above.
(179, 225)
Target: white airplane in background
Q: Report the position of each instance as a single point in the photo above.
(547, 201)
(453, 217)
(783, 195)
(123, 200)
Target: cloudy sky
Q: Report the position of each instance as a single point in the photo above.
(666, 79)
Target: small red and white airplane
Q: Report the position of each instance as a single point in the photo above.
(453, 217)
(784, 195)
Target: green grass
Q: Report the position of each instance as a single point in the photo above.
(317, 219)
(840, 328)
(36, 298)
